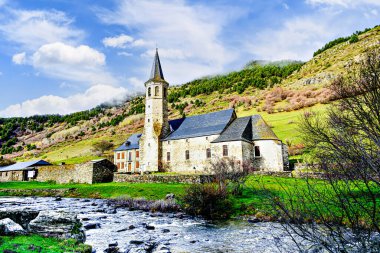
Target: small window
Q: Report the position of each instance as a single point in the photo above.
(187, 140)
(206, 138)
(156, 90)
(168, 156)
(137, 154)
(187, 155)
(148, 120)
(122, 165)
(148, 144)
(225, 150)
(137, 164)
(168, 142)
(208, 153)
(165, 92)
(130, 156)
(257, 151)
(122, 155)
(149, 92)
(118, 155)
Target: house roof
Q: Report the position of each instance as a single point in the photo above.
(131, 143)
(202, 125)
(239, 130)
(24, 165)
(261, 130)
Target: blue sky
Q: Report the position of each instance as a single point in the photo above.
(62, 56)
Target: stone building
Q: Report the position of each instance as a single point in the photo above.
(190, 144)
(96, 171)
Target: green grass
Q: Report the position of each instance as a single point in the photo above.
(104, 190)
(35, 243)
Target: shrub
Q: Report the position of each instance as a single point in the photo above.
(208, 200)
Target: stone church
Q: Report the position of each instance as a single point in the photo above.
(189, 144)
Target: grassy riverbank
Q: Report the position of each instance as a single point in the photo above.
(35, 243)
(255, 198)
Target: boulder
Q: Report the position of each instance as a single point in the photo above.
(57, 224)
(21, 216)
(170, 196)
(9, 227)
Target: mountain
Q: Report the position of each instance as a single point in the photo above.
(279, 91)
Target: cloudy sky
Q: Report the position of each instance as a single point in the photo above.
(61, 56)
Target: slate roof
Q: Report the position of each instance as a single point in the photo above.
(247, 129)
(238, 130)
(202, 125)
(24, 165)
(131, 143)
(156, 74)
(261, 130)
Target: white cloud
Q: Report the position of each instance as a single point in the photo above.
(344, 3)
(63, 105)
(124, 53)
(184, 32)
(19, 58)
(79, 64)
(33, 28)
(118, 41)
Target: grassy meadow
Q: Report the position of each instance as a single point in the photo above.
(35, 243)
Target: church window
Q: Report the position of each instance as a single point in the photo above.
(225, 150)
(156, 90)
(168, 156)
(257, 151)
(187, 155)
(149, 92)
(208, 153)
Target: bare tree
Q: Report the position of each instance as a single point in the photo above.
(101, 147)
(345, 146)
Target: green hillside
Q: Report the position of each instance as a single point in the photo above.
(279, 91)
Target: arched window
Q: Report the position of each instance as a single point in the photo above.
(149, 92)
(156, 90)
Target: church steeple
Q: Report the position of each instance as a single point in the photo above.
(156, 74)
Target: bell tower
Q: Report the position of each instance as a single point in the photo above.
(156, 125)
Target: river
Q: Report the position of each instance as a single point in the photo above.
(136, 230)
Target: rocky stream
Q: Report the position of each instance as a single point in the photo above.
(107, 228)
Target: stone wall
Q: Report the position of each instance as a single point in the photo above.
(7, 176)
(90, 172)
(64, 174)
(151, 178)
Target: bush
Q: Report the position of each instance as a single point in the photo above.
(208, 200)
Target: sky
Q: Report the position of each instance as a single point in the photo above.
(63, 56)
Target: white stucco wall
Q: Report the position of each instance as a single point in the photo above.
(135, 161)
(271, 155)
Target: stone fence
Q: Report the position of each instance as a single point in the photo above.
(152, 178)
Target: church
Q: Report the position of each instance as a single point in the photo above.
(188, 145)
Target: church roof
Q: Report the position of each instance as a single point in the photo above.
(156, 74)
(249, 128)
(238, 130)
(131, 143)
(261, 130)
(202, 125)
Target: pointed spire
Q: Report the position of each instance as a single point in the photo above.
(156, 73)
